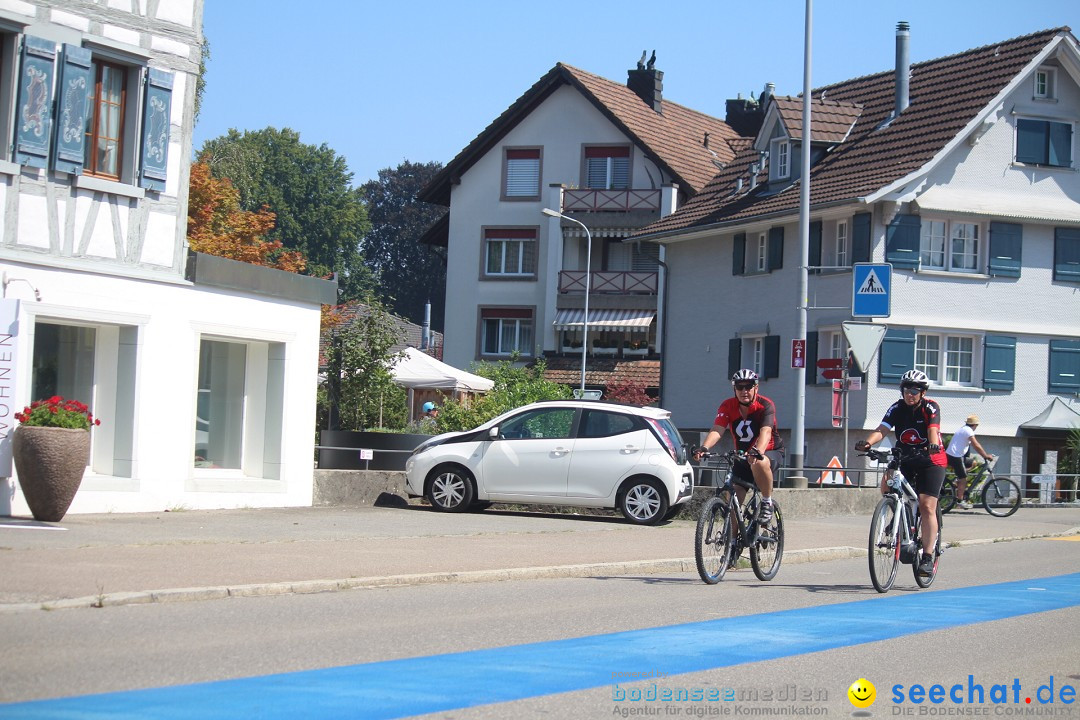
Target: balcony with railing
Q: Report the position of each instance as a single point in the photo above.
(609, 281)
(588, 200)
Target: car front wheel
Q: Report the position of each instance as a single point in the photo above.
(450, 490)
(643, 502)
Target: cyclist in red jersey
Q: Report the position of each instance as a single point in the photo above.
(752, 420)
(915, 420)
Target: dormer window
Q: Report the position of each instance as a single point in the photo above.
(781, 159)
(1044, 83)
(607, 167)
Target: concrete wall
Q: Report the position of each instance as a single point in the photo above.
(365, 488)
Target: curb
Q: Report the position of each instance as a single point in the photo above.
(220, 592)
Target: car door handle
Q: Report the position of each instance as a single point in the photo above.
(560, 451)
(630, 449)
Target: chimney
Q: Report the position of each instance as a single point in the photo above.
(744, 116)
(647, 82)
(766, 95)
(903, 67)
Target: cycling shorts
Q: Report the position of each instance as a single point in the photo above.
(742, 470)
(957, 464)
(924, 475)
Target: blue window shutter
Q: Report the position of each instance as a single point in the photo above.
(1006, 243)
(1064, 366)
(812, 374)
(1067, 254)
(1031, 141)
(897, 354)
(73, 100)
(155, 129)
(738, 255)
(734, 356)
(771, 364)
(860, 238)
(776, 248)
(33, 117)
(902, 241)
(1059, 144)
(999, 362)
(815, 246)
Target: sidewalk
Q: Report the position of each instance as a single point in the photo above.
(95, 560)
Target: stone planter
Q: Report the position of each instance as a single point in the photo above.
(50, 462)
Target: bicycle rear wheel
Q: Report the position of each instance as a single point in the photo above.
(884, 549)
(712, 541)
(1001, 497)
(768, 548)
(947, 499)
(925, 581)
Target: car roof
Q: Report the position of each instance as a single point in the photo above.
(645, 410)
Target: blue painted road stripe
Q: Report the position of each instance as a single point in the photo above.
(399, 688)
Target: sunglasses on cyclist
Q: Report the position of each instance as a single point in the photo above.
(912, 390)
(744, 386)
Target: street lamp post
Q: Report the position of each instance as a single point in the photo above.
(588, 276)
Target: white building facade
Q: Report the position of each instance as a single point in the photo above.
(202, 370)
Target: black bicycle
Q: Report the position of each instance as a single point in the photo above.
(725, 527)
(896, 528)
(999, 496)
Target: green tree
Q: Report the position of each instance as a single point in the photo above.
(200, 81)
(409, 273)
(309, 189)
(514, 386)
(360, 353)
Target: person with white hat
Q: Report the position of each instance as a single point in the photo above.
(955, 453)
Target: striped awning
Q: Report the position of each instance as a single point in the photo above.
(605, 319)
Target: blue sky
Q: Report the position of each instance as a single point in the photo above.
(382, 82)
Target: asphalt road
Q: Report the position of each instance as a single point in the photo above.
(79, 652)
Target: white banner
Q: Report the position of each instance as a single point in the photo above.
(9, 353)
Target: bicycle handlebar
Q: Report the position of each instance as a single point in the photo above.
(730, 456)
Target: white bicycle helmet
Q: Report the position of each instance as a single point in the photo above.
(915, 378)
(744, 375)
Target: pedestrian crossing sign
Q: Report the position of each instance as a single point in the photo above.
(872, 290)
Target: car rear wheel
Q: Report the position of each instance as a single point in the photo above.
(450, 490)
(643, 502)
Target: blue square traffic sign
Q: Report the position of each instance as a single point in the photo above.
(871, 292)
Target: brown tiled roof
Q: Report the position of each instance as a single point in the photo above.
(945, 95)
(601, 372)
(674, 138)
(830, 122)
(411, 333)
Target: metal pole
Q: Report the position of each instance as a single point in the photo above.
(798, 432)
(588, 277)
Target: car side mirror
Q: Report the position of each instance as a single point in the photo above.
(493, 433)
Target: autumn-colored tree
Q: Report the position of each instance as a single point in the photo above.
(217, 225)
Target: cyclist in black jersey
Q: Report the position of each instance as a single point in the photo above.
(916, 422)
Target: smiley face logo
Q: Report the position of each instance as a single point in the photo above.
(862, 693)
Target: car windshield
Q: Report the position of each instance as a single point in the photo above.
(668, 434)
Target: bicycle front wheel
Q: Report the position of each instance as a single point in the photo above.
(1001, 497)
(884, 548)
(712, 541)
(925, 581)
(768, 548)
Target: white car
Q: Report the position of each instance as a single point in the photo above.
(562, 452)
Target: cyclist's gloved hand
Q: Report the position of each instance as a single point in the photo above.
(697, 451)
(934, 448)
(862, 446)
